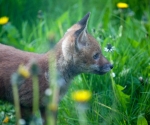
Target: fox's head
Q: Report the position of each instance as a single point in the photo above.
(82, 52)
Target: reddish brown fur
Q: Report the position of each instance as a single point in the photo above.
(74, 55)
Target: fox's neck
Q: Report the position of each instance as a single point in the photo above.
(66, 71)
(66, 68)
(69, 71)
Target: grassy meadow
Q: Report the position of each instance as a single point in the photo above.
(120, 97)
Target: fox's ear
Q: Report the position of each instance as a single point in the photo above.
(84, 20)
(81, 34)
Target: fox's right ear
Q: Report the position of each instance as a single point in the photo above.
(81, 34)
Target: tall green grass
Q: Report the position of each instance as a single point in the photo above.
(120, 100)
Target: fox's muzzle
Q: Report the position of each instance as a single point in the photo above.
(103, 69)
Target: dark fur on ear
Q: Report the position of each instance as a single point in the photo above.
(80, 38)
(81, 34)
(83, 21)
(78, 32)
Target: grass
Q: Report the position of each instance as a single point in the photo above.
(120, 100)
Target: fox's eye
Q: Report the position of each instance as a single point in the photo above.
(96, 56)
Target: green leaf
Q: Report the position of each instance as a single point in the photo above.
(121, 96)
(133, 42)
(11, 30)
(141, 120)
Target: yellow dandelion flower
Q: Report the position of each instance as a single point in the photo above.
(6, 119)
(4, 20)
(22, 70)
(81, 95)
(122, 5)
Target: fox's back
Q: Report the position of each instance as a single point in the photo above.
(10, 59)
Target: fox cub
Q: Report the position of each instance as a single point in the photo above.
(77, 52)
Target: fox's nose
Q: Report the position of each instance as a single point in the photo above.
(111, 66)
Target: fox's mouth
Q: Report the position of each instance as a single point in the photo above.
(104, 69)
(101, 72)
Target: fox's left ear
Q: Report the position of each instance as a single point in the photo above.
(81, 34)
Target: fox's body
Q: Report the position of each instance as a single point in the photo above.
(77, 52)
(10, 59)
